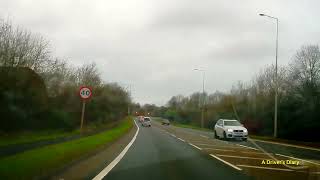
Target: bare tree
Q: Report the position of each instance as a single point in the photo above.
(88, 75)
(19, 47)
(305, 66)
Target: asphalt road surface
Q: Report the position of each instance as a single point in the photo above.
(168, 152)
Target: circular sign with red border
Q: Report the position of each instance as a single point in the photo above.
(85, 92)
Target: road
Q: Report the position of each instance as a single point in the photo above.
(168, 152)
(157, 155)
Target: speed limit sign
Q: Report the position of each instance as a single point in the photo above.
(85, 92)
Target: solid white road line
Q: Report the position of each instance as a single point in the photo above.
(195, 146)
(299, 159)
(245, 152)
(219, 149)
(107, 169)
(240, 157)
(290, 145)
(227, 163)
(261, 167)
(181, 140)
(204, 136)
(247, 147)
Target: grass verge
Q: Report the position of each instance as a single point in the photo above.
(190, 126)
(299, 143)
(41, 161)
(47, 135)
(29, 137)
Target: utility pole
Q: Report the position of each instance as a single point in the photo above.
(129, 94)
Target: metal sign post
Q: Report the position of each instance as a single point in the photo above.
(85, 93)
(82, 114)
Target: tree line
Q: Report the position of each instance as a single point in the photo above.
(252, 102)
(40, 91)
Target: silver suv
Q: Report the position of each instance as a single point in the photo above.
(230, 129)
(146, 122)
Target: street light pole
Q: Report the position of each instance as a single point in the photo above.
(275, 130)
(129, 97)
(203, 101)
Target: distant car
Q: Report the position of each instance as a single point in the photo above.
(141, 118)
(146, 122)
(165, 122)
(230, 129)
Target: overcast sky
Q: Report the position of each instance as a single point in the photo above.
(154, 45)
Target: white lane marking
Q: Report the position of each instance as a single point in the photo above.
(211, 145)
(227, 163)
(314, 172)
(107, 169)
(240, 157)
(173, 135)
(204, 136)
(247, 147)
(195, 146)
(246, 152)
(181, 140)
(299, 159)
(203, 144)
(219, 149)
(290, 145)
(261, 167)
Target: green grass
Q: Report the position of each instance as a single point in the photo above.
(46, 135)
(41, 161)
(191, 126)
(29, 137)
(293, 142)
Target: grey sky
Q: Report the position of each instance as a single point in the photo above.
(155, 44)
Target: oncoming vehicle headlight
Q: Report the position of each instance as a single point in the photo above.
(245, 130)
(230, 130)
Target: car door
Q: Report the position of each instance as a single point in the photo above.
(219, 128)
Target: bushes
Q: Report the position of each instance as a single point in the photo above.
(23, 97)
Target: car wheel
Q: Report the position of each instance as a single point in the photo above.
(215, 135)
(225, 136)
(244, 139)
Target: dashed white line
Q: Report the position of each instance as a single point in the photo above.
(195, 146)
(247, 147)
(299, 159)
(240, 157)
(204, 136)
(181, 140)
(261, 167)
(227, 163)
(107, 169)
(173, 135)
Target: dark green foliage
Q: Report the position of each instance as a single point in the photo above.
(23, 97)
